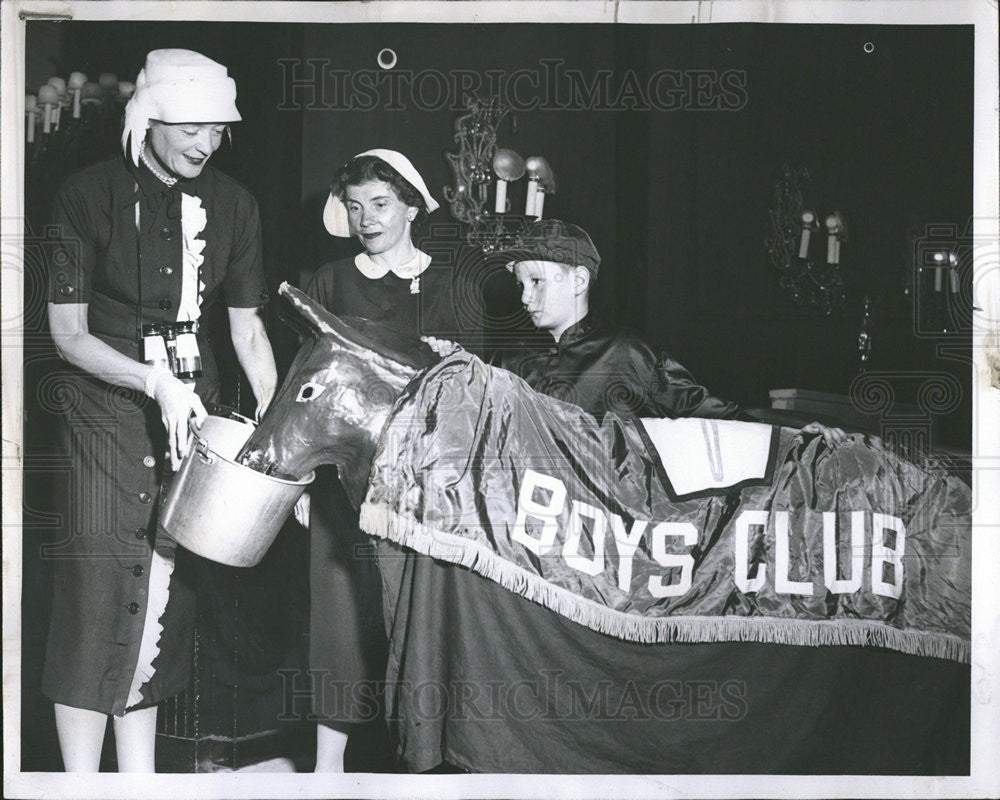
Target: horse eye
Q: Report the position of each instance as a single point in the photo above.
(310, 391)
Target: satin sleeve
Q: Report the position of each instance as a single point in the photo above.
(674, 392)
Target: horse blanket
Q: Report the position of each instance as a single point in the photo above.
(675, 530)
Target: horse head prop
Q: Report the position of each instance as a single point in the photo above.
(336, 397)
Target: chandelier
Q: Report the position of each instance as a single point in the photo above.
(810, 279)
(483, 172)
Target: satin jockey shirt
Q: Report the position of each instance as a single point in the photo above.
(602, 370)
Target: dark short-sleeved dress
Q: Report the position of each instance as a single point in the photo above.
(347, 652)
(122, 609)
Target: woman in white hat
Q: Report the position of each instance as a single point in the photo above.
(154, 237)
(379, 198)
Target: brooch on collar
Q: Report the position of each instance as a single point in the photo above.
(415, 285)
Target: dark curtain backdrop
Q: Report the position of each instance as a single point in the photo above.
(676, 199)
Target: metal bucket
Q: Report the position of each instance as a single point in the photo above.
(222, 510)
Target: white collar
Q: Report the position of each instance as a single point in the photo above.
(410, 269)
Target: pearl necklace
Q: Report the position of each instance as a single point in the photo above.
(167, 179)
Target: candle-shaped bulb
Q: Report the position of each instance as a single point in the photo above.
(125, 91)
(808, 224)
(48, 97)
(953, 271)
(108, 81)
(75, 85)
(539, 202)
(60, 86)
(529, 200)
(508, 166)
(833, 231)
(500, 206)
(541, 180)
(546, 175)
(31, 110)
(531, 166)
(939, 261)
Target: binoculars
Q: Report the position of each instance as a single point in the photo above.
(173, 345)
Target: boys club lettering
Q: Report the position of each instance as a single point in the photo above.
(646, 538)
(543, 499)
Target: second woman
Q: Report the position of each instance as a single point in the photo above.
(379, 198)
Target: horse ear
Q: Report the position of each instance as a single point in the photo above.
(317, 318)
(358, 335)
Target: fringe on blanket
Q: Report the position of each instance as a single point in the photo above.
(160, 570)
(379, 520)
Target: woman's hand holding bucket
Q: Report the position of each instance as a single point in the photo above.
(178, 404)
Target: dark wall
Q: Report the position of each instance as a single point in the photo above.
(886, 137)
(674, 185)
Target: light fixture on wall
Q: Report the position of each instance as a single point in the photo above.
(74, 114)
(482, 170)
(816, 283)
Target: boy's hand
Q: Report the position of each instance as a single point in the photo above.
(832, 436)
(443, 347)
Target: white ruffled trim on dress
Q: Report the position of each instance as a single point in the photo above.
(160, 569)
(193, 221)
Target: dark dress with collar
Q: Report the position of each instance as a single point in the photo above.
(347, 650)
(113, 437)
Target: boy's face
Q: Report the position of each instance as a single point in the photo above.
(551, 293)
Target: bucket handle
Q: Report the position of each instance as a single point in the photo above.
(200, 444)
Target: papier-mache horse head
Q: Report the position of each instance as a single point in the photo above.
(336, 397)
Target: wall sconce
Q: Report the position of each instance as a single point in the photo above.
(478, 164)
(90, 126)
(940, 261)
(810, 283)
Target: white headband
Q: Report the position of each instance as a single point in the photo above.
(335, 213)
(178, 86)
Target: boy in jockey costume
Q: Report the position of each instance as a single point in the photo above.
(588, 363)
